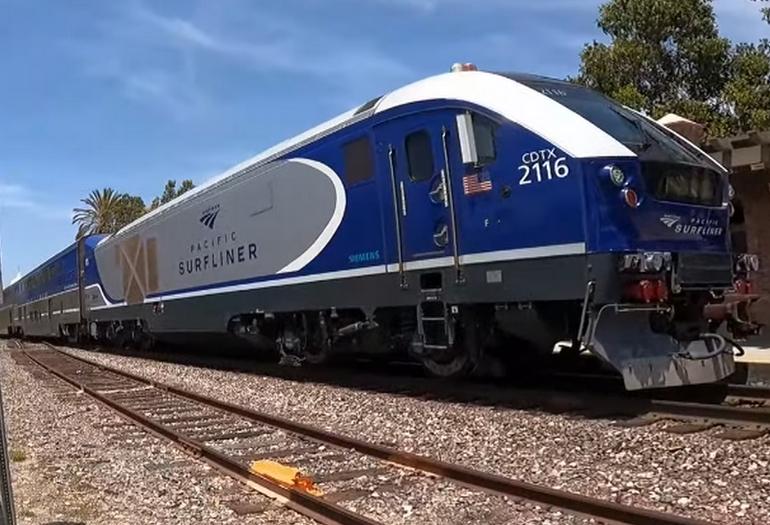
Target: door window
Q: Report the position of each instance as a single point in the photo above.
(484, 135)
(419, 156)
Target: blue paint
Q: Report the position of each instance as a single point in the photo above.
(58, 274)
(583, 206)
(364, 257)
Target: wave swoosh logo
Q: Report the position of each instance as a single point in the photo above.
(670, 220)
(209, 218)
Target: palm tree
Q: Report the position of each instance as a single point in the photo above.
(99, 213)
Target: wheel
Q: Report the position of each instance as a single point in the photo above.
(462, 357)
(454, 362)
(146, 342)
(119, 338)
(318, 348)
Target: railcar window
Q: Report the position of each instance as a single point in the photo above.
(359, 164)
(419, 156)
(681, 183)
(484, 135)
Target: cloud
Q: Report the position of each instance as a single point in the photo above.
(520, 6)
(155, 58)
(17, 197)
(280, 45)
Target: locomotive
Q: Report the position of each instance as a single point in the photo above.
(469, 216)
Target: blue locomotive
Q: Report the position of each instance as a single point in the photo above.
(469, 216)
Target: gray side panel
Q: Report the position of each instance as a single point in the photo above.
(258, 225)
(44, 317)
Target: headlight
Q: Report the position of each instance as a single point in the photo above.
(753, 261)
(645, 262)
(747, 262)
(652, 262)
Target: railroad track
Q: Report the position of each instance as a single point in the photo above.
(751, 392)
(230, 438)
(732, 422)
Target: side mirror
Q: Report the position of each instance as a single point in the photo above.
(467, 139)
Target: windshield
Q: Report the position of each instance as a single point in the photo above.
(636, 132)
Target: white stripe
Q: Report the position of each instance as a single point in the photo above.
(344, 274)
(518, 103)
(331, 227)
(502, 255)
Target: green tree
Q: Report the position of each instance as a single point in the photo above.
(98, 215)
(664, 55)
(170, 192)
(106, 211)
(128, 209)
(667, 56)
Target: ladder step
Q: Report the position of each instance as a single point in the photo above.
(434, 319)
(435, 347)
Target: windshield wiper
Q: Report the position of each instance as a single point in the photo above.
(646, 144)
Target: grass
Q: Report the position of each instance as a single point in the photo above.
(18, 456)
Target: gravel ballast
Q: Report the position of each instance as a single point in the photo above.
(74, 460)
(694, 475)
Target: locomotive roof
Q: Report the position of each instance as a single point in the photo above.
(502, 94)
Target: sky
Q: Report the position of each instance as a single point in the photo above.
(130, 93)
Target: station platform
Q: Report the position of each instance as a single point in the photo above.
(754, 365)
(757, 350)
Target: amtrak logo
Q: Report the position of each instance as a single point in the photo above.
(705, 227)
(670, 220)
(209, 216)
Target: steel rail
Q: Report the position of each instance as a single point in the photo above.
(303, 502)
(574, 503)
(748, 391)
(730, 415)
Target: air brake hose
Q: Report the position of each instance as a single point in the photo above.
(722, 347)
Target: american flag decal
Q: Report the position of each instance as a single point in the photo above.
(476, 183)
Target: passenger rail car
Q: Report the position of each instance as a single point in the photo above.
(48, 301)
(467, 218)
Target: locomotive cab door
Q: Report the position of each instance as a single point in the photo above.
(422, 157)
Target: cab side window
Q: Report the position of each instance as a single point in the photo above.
(419, 156)
(359, 163)
(484, 134)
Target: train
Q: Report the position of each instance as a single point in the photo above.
(466, 218)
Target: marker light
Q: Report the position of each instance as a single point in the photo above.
(616, 175)
(646, 291)
(631, 198)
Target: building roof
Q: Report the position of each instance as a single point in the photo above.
(747, 152)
